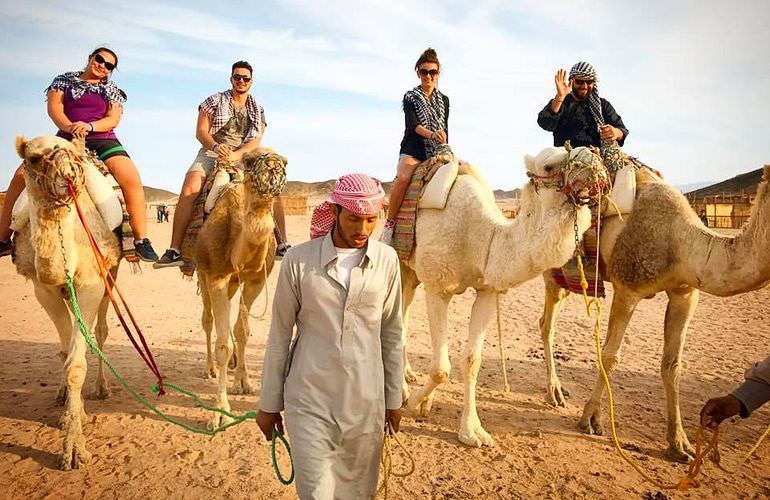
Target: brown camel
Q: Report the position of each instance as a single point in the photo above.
(236, 247)
(662, 246)
(53, 243)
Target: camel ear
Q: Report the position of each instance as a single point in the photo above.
(21, 146)
(529, 163)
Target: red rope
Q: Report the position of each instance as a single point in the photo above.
(109, 282)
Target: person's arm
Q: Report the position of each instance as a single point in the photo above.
(390, 339)
(755, 391)
(203, 130)
(55, 107)
(110, 120)
(413, 123)
(286, 305)
(611, 117)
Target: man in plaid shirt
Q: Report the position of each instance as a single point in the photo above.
(230, 124)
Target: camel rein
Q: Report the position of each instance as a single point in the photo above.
(689, 479)
(162, 384)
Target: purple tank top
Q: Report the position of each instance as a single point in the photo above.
(89, 108)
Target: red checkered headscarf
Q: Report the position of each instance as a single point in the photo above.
(359, 193)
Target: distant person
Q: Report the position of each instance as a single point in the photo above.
(230, 124)
(704, 218)
(340, 380)
(426, 117)
(160, 213)
(165, 213)
(87, 104)
(752, 394)
(577, 113)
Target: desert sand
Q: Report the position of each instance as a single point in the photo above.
(539, 453)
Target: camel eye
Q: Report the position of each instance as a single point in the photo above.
(34, 158)
(549, 169)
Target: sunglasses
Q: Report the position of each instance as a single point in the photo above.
(100, 60)
(426, 72)
(579, 81)
(244, 78)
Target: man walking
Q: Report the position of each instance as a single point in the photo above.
(341, 377)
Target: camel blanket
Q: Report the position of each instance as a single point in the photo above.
(403, 234)
(193, 228)
(568, 276)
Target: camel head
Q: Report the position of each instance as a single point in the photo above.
(50, 163)
(577, 173)
(264, 172)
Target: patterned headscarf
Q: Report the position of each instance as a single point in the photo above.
(585, 71)
(359, 193)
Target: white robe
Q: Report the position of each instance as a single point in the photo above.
(343, 370)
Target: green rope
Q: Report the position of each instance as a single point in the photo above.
(279, 435)
(237, 419)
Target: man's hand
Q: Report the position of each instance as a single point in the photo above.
(718, 409)
(269, 421)
(394, 418)
(224, 152)
(563, 87)
(609, 133)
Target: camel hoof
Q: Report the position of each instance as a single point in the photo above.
(476, 437)
(557, 397)
(242, 387)
(75, 458)
(421, 405)
(405, 394)
(679, 454)
(590, 425)
(211, 373)
(410, 375)
(217, 421)
(100, 392)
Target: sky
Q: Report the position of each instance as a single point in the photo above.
(689, 78)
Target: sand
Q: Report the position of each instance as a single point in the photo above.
(539, 453)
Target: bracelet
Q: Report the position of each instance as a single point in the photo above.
(214, 147)
(92, 127)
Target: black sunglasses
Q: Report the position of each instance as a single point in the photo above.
(426, 72)
(99, 59)
(246, 79)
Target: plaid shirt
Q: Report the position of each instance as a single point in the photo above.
(77, 88)
(219, 108)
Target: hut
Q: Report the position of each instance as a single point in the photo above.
(727, 203)
(294, 205)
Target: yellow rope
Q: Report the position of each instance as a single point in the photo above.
(386, 459)
(688, 480)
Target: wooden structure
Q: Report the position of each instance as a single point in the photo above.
(294, 205)
(727, 203)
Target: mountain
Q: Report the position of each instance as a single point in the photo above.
(742, 183)
(686, 188)
(155, 195)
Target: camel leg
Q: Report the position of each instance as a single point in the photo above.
(554, 299)
(471, 431)
(75, 367)
(224, 346)
(422, 397)
(680, 310)
(232, 288)
(207, 322)
(251, 290)
(409, 285)
(101, 390)
(51, 300)
(623, 306)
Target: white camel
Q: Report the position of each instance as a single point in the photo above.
(471, 244)
(52, 235)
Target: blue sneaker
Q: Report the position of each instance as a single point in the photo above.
(145, 251)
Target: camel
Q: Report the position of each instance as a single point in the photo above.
(662, 246)
(471, 244)
(52, 244)
(236, 247)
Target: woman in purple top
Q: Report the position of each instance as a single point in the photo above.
(87, 104)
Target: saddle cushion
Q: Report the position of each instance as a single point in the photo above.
(436, 191)
(623, 191)
(220, 182)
